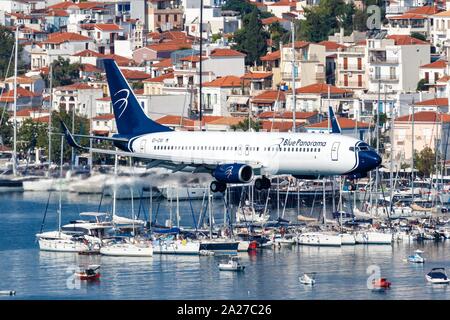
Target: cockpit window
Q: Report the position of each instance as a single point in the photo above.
(363, 147)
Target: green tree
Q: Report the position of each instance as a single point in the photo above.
(243, 7)
(32, 134)
(424, 161)
(6, 128)
(7, 40)
(244, 124)
(251, 39)
(277, 34)
(64, 73)
(421, 85)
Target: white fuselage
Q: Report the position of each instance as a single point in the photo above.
(275, 153)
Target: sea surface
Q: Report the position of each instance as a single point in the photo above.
(341, 273)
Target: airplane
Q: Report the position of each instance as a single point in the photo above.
(230, 157)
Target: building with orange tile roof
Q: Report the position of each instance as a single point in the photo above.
(269, 100)
(57, 45)
(25, 99)
(317, 97)
(434, 71)
(428, 126)
(395, 62)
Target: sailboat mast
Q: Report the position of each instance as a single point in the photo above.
(412, 153)
(50, 119)
(294, 100)
(60, 183)
(15, 100)
(114, 186)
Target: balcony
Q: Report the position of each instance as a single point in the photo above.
(383, 78)
(288, 76)
(381, 60)
(350, 67)
(397, 10)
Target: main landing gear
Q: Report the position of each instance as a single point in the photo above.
(217, 186)
(262, 183)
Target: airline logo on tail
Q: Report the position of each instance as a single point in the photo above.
(124, 101)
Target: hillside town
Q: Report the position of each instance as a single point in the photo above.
(250, 65)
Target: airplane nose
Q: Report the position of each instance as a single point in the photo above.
(369, 160)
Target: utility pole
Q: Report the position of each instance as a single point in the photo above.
(201, 66)
(294, 100)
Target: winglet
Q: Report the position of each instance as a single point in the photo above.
(69, 137)
(335, 127)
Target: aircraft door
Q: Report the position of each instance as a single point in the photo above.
(240, 150)
(247, 149)
(335, 151)
(142, 146)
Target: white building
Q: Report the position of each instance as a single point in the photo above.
(58, 45)
(395, 61)
(79, 98)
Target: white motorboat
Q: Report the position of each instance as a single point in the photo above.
(437, 276)
(61, 242)
(172, 246)
(307, 280)
(373, 237)
(233, 264)
(319, 239)
(416, 258)
(279, 240)
(127, 248)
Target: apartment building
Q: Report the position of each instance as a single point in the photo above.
(351, 69)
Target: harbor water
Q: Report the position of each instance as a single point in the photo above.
(341, 272)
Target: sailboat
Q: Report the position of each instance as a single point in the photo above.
(126, 246)
(82, 239)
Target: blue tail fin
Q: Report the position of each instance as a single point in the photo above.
(335, 127)
(131, 119)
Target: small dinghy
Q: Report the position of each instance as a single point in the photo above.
(380, 284)
(416, 258)
(233, 264)
(7, 293)
(307, 280)
(437, 275)
(90, 273)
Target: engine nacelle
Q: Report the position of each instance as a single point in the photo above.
(233, 173)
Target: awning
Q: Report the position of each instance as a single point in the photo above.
(237, 100)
